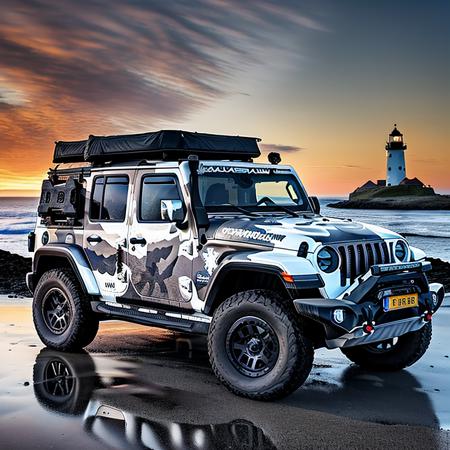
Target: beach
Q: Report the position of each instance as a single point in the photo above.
(142, 387)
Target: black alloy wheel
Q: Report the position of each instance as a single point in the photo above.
(257, 347)
(62, 312)
(56, 311)
(252, 346)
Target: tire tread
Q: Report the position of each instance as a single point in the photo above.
(299, 363)
(85, 324)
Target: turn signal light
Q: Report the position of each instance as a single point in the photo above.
(287, 277)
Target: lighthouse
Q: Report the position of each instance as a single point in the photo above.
(395, 167)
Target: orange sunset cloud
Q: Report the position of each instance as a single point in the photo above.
(276, 70)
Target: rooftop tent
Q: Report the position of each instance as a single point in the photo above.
(157, 145)
(67, 152)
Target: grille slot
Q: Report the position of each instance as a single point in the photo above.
(356, 259)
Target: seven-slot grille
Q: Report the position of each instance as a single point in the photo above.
(356, 259)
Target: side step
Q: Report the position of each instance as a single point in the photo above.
(189, 323)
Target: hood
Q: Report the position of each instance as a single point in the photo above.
(288, 232)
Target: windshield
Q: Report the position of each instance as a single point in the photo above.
(256, 192)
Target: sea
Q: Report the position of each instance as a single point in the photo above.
(428, 230)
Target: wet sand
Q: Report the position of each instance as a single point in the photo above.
(139, 387)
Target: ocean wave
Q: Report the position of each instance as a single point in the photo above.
(9, 231)
(429, 236)
(13, 223)
(16, 215)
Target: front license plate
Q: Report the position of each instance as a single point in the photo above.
(401, 301)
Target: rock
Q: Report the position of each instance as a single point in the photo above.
(12, 276)
(440, 273)
(436, 202)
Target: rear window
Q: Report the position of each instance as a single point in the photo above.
(109, 199)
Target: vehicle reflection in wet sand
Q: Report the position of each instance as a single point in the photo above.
(69, 384)
(336, 387)
(72, 384)
(139, 387)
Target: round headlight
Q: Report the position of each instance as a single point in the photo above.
(328, 260)
(401, 251)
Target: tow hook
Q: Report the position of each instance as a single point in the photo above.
(369, 327)
(369, 324)
(428, 313)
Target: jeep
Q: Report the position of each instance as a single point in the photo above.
(184, 231)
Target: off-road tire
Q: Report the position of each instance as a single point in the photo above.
(409, 349)
(83, 325)
(296, 353)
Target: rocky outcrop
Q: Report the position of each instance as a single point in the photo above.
(435, 202)
(12, 274)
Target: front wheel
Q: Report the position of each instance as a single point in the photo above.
(256, 346)
(392, 354)
(62, 313)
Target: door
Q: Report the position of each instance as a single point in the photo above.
(160, 252)
(105, 231)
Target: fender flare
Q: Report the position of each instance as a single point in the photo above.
(299, 281)
(77, 260)
(224, 269)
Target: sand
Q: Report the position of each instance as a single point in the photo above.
(159, 388)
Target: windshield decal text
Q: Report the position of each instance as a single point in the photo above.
(231, 169)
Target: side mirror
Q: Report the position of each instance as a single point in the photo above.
(315, 204)
(172, 211)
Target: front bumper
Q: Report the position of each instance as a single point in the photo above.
(359, 317)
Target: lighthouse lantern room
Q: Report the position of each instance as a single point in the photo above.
(396, 169)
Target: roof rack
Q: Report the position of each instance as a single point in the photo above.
(168, 145)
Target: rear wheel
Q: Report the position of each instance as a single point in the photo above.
(256, 347)
(61, 312)
(392, 354)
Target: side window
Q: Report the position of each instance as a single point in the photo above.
(153, 190)
(109, 199)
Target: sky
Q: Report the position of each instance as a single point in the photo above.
(320, 81)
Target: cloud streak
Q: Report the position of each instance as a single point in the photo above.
(280, 148)
(129, 63)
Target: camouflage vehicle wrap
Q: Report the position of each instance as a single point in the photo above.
(350, 285)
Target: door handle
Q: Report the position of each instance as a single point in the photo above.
(94, 238)
(135, 240)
